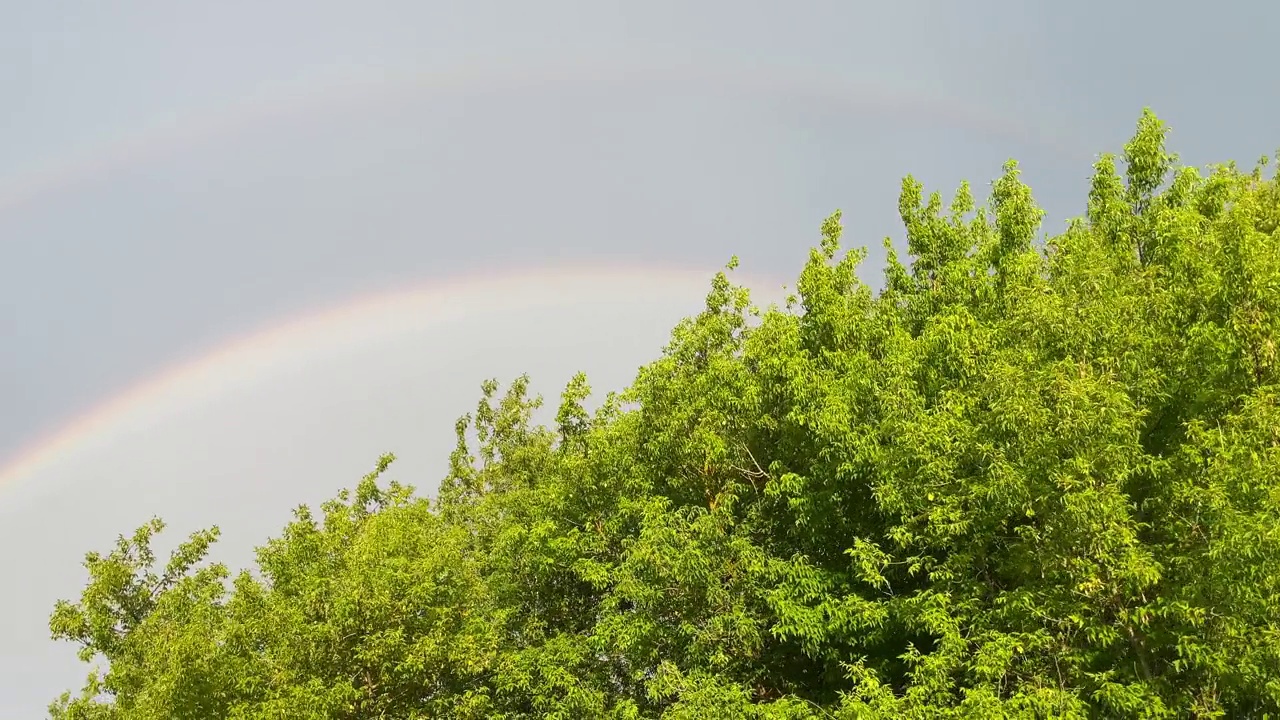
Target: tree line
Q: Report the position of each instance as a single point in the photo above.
(1029, 477)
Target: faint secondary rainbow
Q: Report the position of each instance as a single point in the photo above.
(255, 356)
(871, 94)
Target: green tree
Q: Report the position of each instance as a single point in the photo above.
(1024, 479)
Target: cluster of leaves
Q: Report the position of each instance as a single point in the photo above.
(1022, 480)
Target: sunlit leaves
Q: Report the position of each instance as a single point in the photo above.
(1024, 479)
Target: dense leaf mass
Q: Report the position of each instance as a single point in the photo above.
(1025, 479)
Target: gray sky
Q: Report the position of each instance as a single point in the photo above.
(173, 177)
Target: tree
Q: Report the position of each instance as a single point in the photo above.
(1024, 479)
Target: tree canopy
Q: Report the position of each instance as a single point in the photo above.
(1029, 477)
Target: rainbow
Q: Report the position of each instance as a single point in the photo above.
(454, 300)
(276, 347)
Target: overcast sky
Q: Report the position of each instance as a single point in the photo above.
(176, 175)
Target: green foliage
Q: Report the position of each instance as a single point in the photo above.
(1023, 480)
